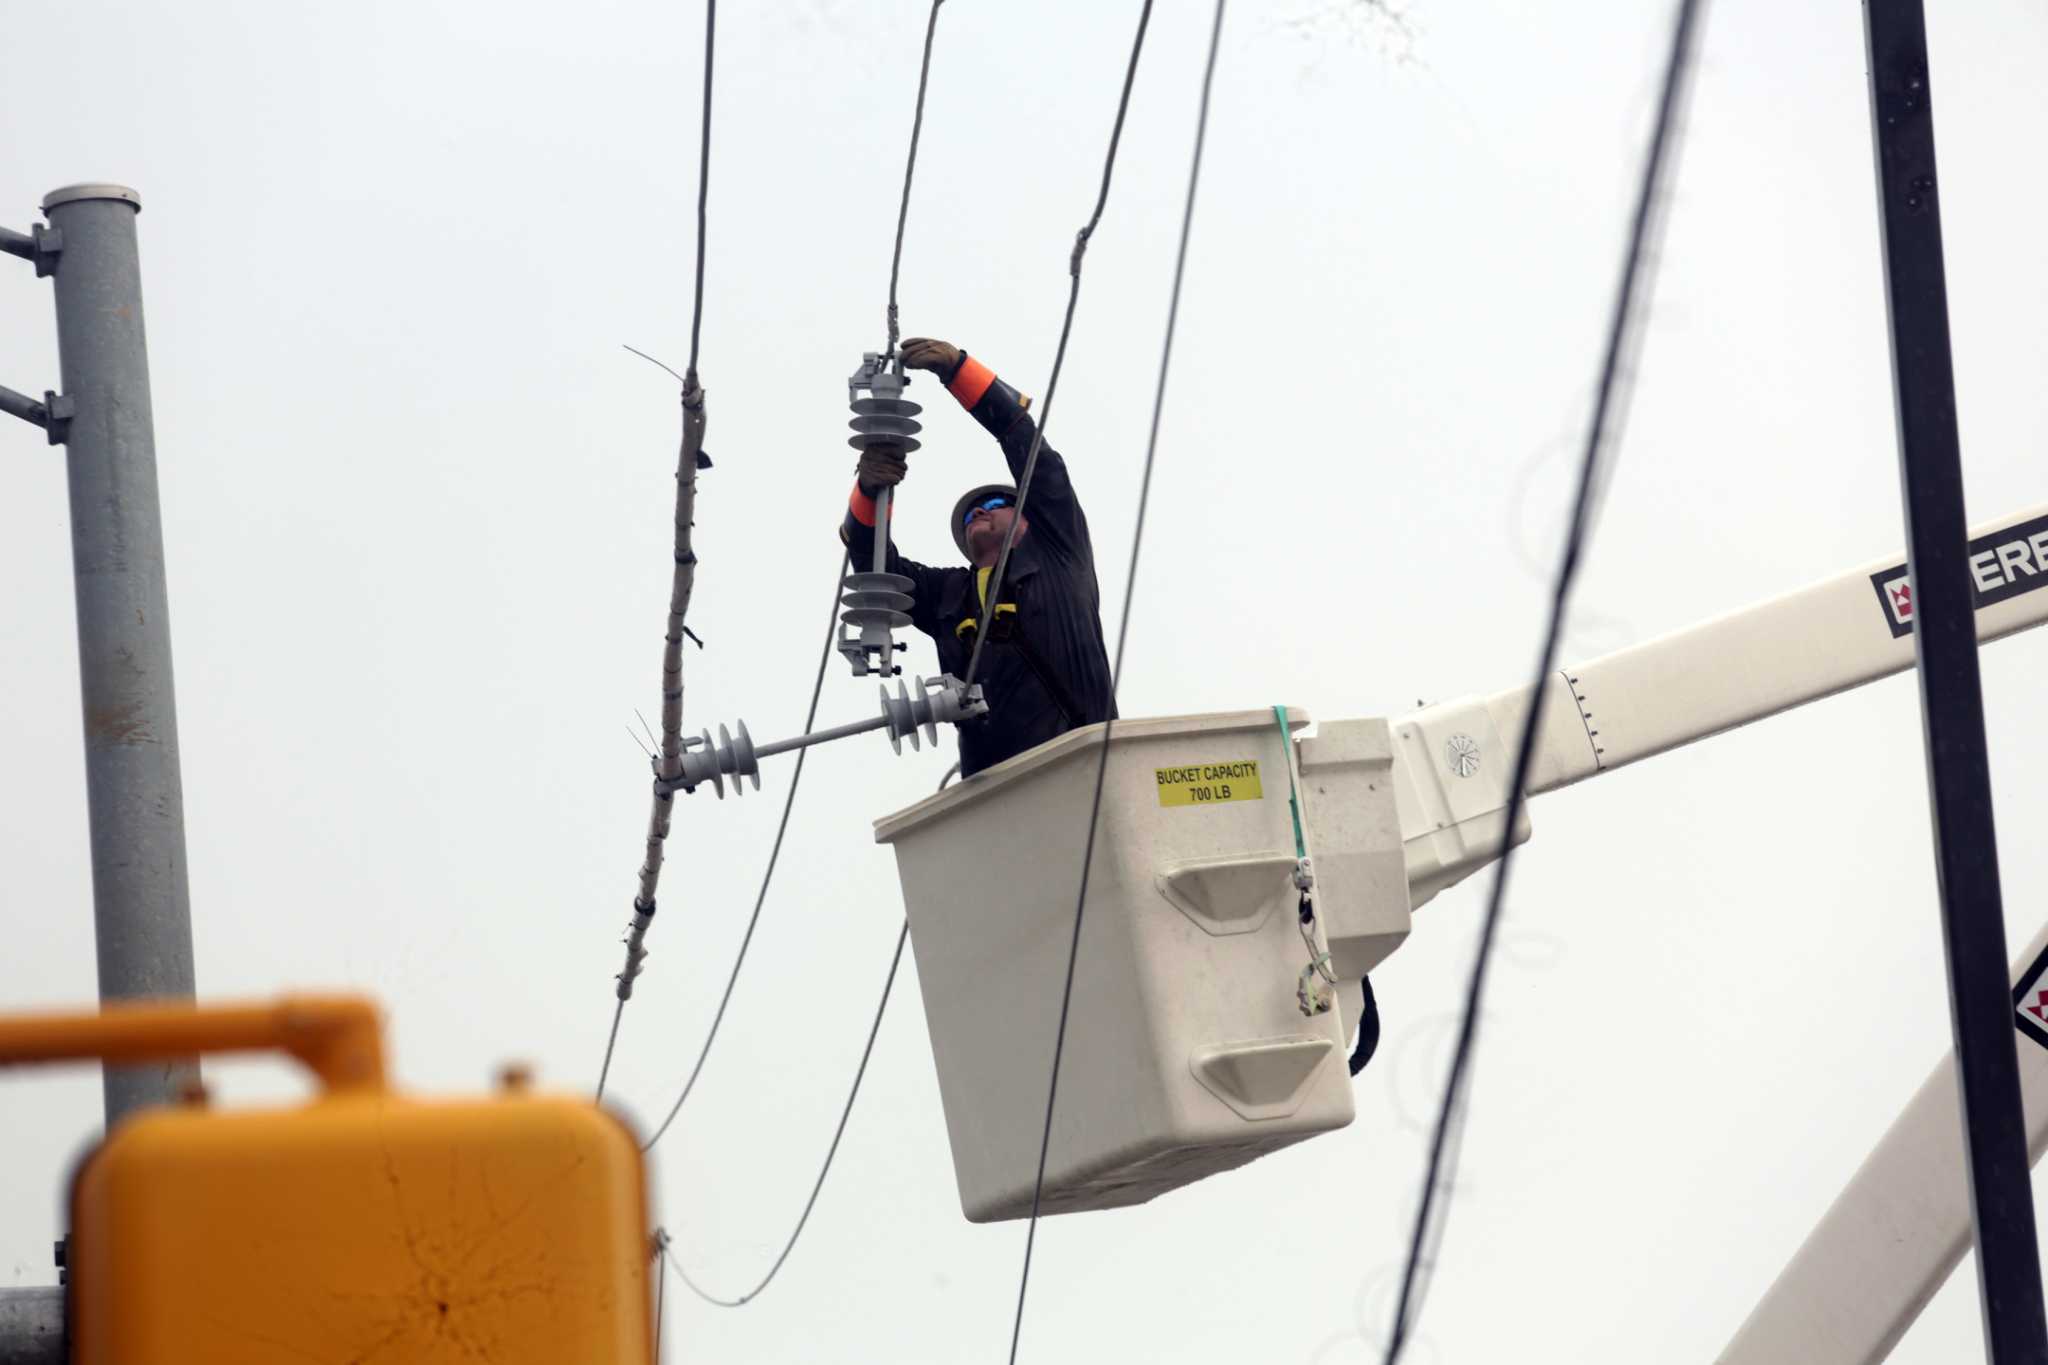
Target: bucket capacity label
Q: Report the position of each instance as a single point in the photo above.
(1205, 784)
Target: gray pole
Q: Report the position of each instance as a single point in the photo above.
(142, 912)
(32, 1327)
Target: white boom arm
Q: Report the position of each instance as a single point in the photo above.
(1900, 1226)
(1453, 759)
(1810, 644)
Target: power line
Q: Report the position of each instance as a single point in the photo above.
(703, 187)
(845, 1113)
(817, 686)
(1123, 104)
(684, 577)
(604, 1072)
(1622, 337)
(924, 75)
(860, 1073)
(611, 1041)
(810, 720)
(1123, 631)
(660, 1292)
(768, 876)
(682, 583)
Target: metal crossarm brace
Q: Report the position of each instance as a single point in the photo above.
(53, 414)
(40, 244)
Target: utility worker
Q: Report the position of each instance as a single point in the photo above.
(1044, 669)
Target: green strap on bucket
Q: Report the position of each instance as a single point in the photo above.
(1312, 987)
(1293, 800)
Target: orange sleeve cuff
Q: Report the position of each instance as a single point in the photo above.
(971, 381)
(862, 506)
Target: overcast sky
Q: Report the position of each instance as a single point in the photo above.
(417, 503)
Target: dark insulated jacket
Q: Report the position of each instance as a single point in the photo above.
(1046, 670)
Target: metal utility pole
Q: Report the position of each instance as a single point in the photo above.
(1943, 586)
(32, 1327)
(141, 903)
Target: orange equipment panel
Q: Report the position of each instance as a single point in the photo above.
(361, 1226)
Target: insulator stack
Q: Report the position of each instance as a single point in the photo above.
(705, 760)
(919, 707)
(925, 705)
(885, 421)
(877, 601)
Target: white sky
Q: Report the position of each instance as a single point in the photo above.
(416, 504)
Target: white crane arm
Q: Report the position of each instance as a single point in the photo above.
(1453, 760)
(1838, 634)
(1901, 1224)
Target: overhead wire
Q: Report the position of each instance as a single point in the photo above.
(660, 1292)
(1623, 335)
(810, 719)
(703, 187)
(1059, 358)
(611, 1042)
(1180, 261)
(825, 653)
(924, 75)
(682, 584)
(825, 1168)
(796, 778)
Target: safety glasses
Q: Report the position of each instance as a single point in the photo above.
(987, 504)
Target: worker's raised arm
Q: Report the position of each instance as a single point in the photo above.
(1052, 509)
(882, 467)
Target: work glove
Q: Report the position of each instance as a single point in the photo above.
(881, 467)
(942, 358)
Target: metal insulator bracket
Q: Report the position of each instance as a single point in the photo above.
(885, 416)
(53, 414)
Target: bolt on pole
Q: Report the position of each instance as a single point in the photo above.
(1951, 697)
(142, 911)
